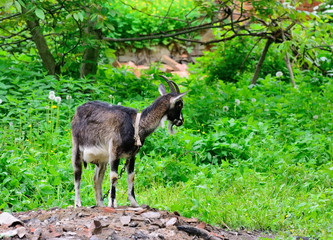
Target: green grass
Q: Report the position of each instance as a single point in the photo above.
(265, 164)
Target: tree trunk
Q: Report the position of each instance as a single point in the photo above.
(290, 69)
(261, 61)
(90, 57)
(40, 41)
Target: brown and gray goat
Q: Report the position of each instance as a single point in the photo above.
(104, 133)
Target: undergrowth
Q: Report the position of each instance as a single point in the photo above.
(246, 158)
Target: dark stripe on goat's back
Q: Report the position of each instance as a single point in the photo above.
(98, 105)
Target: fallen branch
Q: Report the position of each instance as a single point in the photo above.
(200, 232)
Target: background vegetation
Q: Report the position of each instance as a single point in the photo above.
(248, 156)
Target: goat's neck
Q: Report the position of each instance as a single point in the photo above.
(151, 116)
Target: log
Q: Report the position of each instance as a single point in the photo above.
(172, 63)
(199, 232)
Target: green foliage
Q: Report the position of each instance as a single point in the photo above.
(226, 61)
(137, 18)
(253, 158)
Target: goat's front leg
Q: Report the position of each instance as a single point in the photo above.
(98, 180)
(130, 181)
(114, 163)
(113, 182)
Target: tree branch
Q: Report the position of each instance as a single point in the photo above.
(12, 34)
(9, 17)
(177, 32)
(261, 61)
(165, 16)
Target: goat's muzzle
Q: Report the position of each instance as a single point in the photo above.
(178, 122)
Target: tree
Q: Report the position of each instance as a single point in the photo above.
(69, 33)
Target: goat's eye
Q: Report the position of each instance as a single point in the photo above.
(179, 105)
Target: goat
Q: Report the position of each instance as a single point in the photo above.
(104, 133)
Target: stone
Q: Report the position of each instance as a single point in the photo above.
(21, 232)
(171, 222)
(8, 234)
(125, 220)
(133, 224)
(96, 227)
(8, 219)
(151, 214)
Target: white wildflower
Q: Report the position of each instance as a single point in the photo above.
(68, 97)
(253, 100)
(237, 102)
(51, 95)
(57, 99)
(279, 74)
(47, 107)
(323, 59)
(225, 108)
(11, 124)
(315, 117)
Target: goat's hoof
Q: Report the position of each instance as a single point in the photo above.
(100, 204)
(112, 204)
(135, 205)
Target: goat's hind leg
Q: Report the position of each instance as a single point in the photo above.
(130, 181)
(77, 165)
(98, 180)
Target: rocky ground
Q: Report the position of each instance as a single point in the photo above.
(123, 223)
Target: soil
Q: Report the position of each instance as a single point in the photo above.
(122, 223)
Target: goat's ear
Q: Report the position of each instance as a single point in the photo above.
(161, 89)
(175, 99)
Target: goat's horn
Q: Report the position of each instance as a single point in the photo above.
(172, 85)
(176, 86)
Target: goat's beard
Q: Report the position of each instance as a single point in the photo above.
(169, 125)
(170, 128)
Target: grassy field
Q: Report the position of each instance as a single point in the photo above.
(259, 158)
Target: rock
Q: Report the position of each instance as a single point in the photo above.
(182, 74)
(172, 63)
(114, 236)
(10, 220)
(171, 222)
(133, 224)
(135, 209)
(21, 232)
(151, 215)
(8, 234)
(37, 233)
(94, 237)
(201, 225)
(125, 220)
(153, 228)
(140, 235)
(96, 227)
(116, 64)
(158, 222)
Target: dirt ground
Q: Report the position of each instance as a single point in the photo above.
(123, 223)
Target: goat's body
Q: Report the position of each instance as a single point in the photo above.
(95, 124)
(103, 133)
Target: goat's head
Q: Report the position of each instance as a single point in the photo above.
(174, 114)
